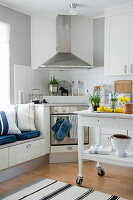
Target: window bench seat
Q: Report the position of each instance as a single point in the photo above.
(21, 151)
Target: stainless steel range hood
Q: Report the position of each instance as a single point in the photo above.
(64, 59)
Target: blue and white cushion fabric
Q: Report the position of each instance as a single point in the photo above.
(25, 117)
(4, 126)
(10, 114)
(7, 121)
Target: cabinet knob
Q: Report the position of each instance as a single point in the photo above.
(131, 68)
(28, 146)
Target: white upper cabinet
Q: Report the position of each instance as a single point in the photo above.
(118, 54)
(131, 45)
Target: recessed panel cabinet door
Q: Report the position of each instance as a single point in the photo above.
(131, 45)
(117, 44)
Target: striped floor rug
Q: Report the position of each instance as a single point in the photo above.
(45, 189)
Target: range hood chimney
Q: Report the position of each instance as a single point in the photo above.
(64, 59)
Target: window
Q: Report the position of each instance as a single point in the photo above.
(4, 63)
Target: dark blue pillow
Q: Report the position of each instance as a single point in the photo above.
(4, 126)
(27, 135)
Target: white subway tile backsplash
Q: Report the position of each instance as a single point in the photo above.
(90, 78)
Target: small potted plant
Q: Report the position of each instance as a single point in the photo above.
(127, 107)
(53, 86)
(113, 100)
(94, 100)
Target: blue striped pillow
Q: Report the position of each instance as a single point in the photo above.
(4, 126)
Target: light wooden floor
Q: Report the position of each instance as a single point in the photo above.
(117, 181)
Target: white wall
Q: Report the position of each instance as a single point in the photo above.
(43, 39)
(26, 78)
(98, 42)
(20, 40)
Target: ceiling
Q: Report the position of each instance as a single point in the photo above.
(53, 7)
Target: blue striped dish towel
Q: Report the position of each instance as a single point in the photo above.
(73, 119)
(99, 149)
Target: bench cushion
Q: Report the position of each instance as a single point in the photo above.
(6, 139)
(27, 135)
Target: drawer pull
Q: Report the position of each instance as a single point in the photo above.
(131, 68)
(125, 69)
(69, 148)
(28, 146)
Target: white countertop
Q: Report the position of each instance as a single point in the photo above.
(87, 113)
(61, 104)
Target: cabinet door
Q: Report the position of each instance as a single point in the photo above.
(3, 158)
(131, 45)
(116, 44)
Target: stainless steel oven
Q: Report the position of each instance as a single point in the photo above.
(63, 113)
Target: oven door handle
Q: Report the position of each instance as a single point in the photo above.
(60, 115)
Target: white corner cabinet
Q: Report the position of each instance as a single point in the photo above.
(118, 47)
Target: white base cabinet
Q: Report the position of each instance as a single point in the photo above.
(3, 158)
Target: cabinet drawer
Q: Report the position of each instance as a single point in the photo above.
(107, 121)
(27, 151)
(3, 158)
(108, 131)
(67, 148)
(102, 122)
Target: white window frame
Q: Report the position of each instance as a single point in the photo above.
(5, 59)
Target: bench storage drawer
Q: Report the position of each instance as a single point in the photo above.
(27, 151)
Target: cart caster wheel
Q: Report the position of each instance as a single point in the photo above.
(101, 172)
(79, 181)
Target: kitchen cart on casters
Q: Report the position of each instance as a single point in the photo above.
(101, 120)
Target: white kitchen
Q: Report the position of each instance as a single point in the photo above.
(66, 72)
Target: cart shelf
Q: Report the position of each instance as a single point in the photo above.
(110, 159)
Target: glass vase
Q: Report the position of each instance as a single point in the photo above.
(113, 105)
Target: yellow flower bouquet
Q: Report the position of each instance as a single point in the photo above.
(124, 99)
(109, 110)
(118, 110)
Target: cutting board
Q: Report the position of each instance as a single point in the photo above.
(123, 86)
